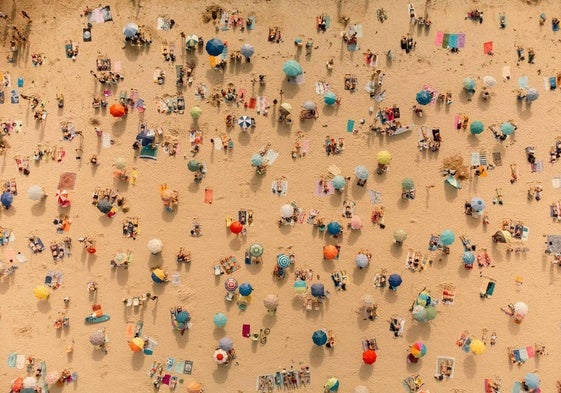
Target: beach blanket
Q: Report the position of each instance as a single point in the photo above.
(66, 181)
(320, 88)
(319, 191)
(262, 104)
(306, 143)
(209, 195)
(271, 156)
(439, 37)
(149, 152)
(164, 23)
(356, 28)
(350, 125)
(445, 362)
(283, 188)
(453, 41)
(506, 72)
(6, 80)
(488, 47)
(375, 196)
(251, 24)
(461, 40)
(100, 15)
(537, 166)
(523, 82)
(556, 182)
(224, 21)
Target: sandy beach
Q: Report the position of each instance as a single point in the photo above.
(356, 124)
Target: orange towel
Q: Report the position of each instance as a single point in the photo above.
(208, 195)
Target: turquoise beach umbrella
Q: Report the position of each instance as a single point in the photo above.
(292, 68)
(407, 184)
(220, 320)
(257, 159)
(330, 98)
(339, 182)
(468, 258)
(447, 237)
(476, 127)
(507, 128)
(332, 384)
(469, 83)
(423, 97)
(300, 286)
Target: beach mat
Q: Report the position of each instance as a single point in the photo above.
(523, 82)
(149, 152)
(350, 125)
(67, 181)
(453, 41)
(445, 40)
(209, 195)
(439, 37)
(461, 40)
(488, 47)
(319, 188)
(506, 72)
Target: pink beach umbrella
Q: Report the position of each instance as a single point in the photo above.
(356, 223)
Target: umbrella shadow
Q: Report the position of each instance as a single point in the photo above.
(359, 275)
(104, 220)
(450, 193)
(365, 371)
(194, 187)
(419, 329)
(237, 242)
(168, 216)
(155, 260)
(220, 374)
(470, 366)
(119, 127)
(390, 296)
(317, 354)
(43, 306)
(353, 236)
(98, 354)
(269, 320)
(137, 361)
(181, 339)
(297, 303)
(396, 250)
(256, 182)
(122, 275)
(244, 138)
(214, 77)
(358, 191)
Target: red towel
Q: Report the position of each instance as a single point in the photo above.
(488, 47)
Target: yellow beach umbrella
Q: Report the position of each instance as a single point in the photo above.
(384, 157)
(477, 347)
(41, 292)
(136, 344)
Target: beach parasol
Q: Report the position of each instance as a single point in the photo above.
(231, 284)
(158, 275)
(476, 127)
(477, 204)
(469, 84)
(361, 172)
(257, 160)
(271, 302)
(97, 337)
(502, 237)
(245, 289)
(447, 237)
(419, 313)
(309, 105)
(300, 286)
(418, 350)
(407, 184)
(220, 320)
(521, 309)
(214, 47)
(339, 182)
(52, 377)
(292, 68)
(244, 122)
(430, 313)
(17, 384)
(319, 337)
(256, 250)
(384, 157)
(41, 292)
(120, 163)
(117, 110)
(29, 383)
(236, 227)
(225, 343)
(468, 258)
(355, 223)
(191, 41)
(400, 235)
(332, 384)
(361, 389)
(532, 95)
(283, 261)
(532, 381)
(334, 228)
(369, 356)
(130, 30)
(183, 317)
(507, 128)
(361, 261)
(477, 347)
(166, 195)
(220, 356)
(489, 81)
(6, 199)
(451, 180)
(394, 281)
(195, 112)
(194, 165)
(317, 289)
(286, 107)
(368, 300)
(35, 193)
(247, 50)
(423, 97)
(104, 206)
(330, 251)
(136, 344)
(329, 98)
(155, 246)
(194, 387)
(286, 210)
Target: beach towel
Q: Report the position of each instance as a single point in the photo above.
(350, 125)
(149, 152)
(445, 40)
(475, 159)
(523, 82)
(488, 47)
(262, 104)
(506, 72)
(252, 103)
(320, 88)
(100, 15)
(554, 26)
(319, 191)
(433, 92)
(556, 182)
(352, 47)
(163, 23)
(9, 253)
(20, 361)
(461, 40)
(306, 143)
(553, 83)
(67, 181)
(106, 140)
(224, 19)
(375, 196)
(251, 24)
(14, 97)
(546, 84)
(271, 156)
(21, 258)
(453, 41)
(439, 37)
(283, 188)
(537, 166)
(209, 195)
(6, 80)
(446, 360)
(117, 65)
(12, 359)
(497, 159)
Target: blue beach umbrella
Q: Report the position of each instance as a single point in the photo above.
(532, 380)
(532, 95)
(361, 172)
(394, 281)
(245, 289)
(257, 159)
(329, 98)
(214, 47)
(244, 122)
(468, 83)
(339, 182)
(447, 237)
(507, 128)
(247, 50)
(361, 261)
(476, 127)
(477, 204)
(220, 320)
(300, 286)
(292, 68)
(453, 182)
(226, 344)
(182, 317)
(6, 199)
(130, 30)
(468, 258)
(423, 97)
(317, 289)
(333, 228)
(283, 261)
(319, 337)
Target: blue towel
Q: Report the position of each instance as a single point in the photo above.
(552, 83)
(555, 27)
(453, 41)
(350, 125)
(12, 360)
(523, 82)
(517, 388)
(353, 47)
(327, 21)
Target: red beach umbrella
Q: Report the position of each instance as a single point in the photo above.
(236, 227)
(369, 356)
(117, 110)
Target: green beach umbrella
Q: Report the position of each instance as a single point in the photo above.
(476, 127)
(292, 68)
(195, 112)
(407, 184)
(256, 250)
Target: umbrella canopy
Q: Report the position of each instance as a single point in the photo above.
(292, 68)
(300, 286)
(117, 110)
(309, 105)
(502, 237)
(355, 223)
(286, 210)
(418, 350)
(532, 95)
(369, 356)
(214, 47)
(329, 98)
(394, 281)
(361, 261)
(468, 83)
(333, 228)
(220, 356)
(419, 313)
(130, 30)
(339, 182)
(361, 389)
(521, 308)
(194, 387)
(236, 227)
(245, 289)
(447, 237)
(286, 108)
(271, 302)
(361, 172)
(283, 261)
(257, 160)
(225, 343)
(41, 292)
(30, 383)
(451, 180)
(244, 122)
(400, 235)
(332, 384)
(256, 250)
(477, 204)
(17, 384)
(468, 258)
(368, 300)
(423, 97)
(158, 275)
(183, 316)
(430, 313)
(330, 251)
(247, 50)
(35, 193)
(407, 184)
(136, 344)
(317, 289)
(231, 284)
(191, 41)
(155, 246)
(104, 206)
(52, 377)
(489, 81)
(384, 157)
(220, 320)
(319, 337)
(120, 163)
(532, 380)
(97, 337)
(195, 112)
(476, 127)
(477, 347)
(6, 199)
(507, 128)
(166, 195)
(194, 165)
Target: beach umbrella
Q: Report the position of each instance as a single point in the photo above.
(231, 284)
(244, 122)
(384, 157)
(41, 292)
(430, 313)
(120, 163)
(361, 261)
(6, 199)
(17, 384)
(476, 127)
(339, 182)
(532, 95)
(158, 275)
(183, 316)
(368, 300)
(52, 377)
(29, 383)
(104, 206)
(394, 281)
(256, 250)
(355, 223)
(271, 302)
(371, 86)
(502, 237)
(477, 204)
(283, 261)
(532, 381)
(191, 41)
(286, 210)
(214, 47)
(292, 68)
(333, 228)
(369, 356)
(166, 195)
(195, 112)
(330, 251)
(225, 343)
(418, 350)
(361, 389)
(117, 110)
(329, 98)
(220, 356)
(407, 184)
(155, 246)
(247, 50)
(98, 337)
(332, 384)
(447, 237)
(451, 180)
(220, 320)
(489, 81)
(400, 235)
(419, 312)
(194, 387)
(300, 286)
(468, 83)
(361, 172)
(319, 337)
(317, 289)
(285, 106)
(194, 165)
(136, 344)
(468, 258)
(423, 97)
(35, 193)
(130, 30)
(423, 299)
(309, 105)
(236, 227)
(507, 128)
(257, 160)
(245, 289)
(521, 309)
(477, 347)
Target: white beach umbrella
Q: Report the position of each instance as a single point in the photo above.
(155, 246)
(489, 81)
(286, 210)
(35, 193)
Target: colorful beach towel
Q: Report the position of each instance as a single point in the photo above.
(488, 47)
(453, 41)
(461, 40)
(439, 37)
(350, 125)
(100, 15)
(149, 152)
(319, 191)
(67, 181)
(262, 104)
(164, 23)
